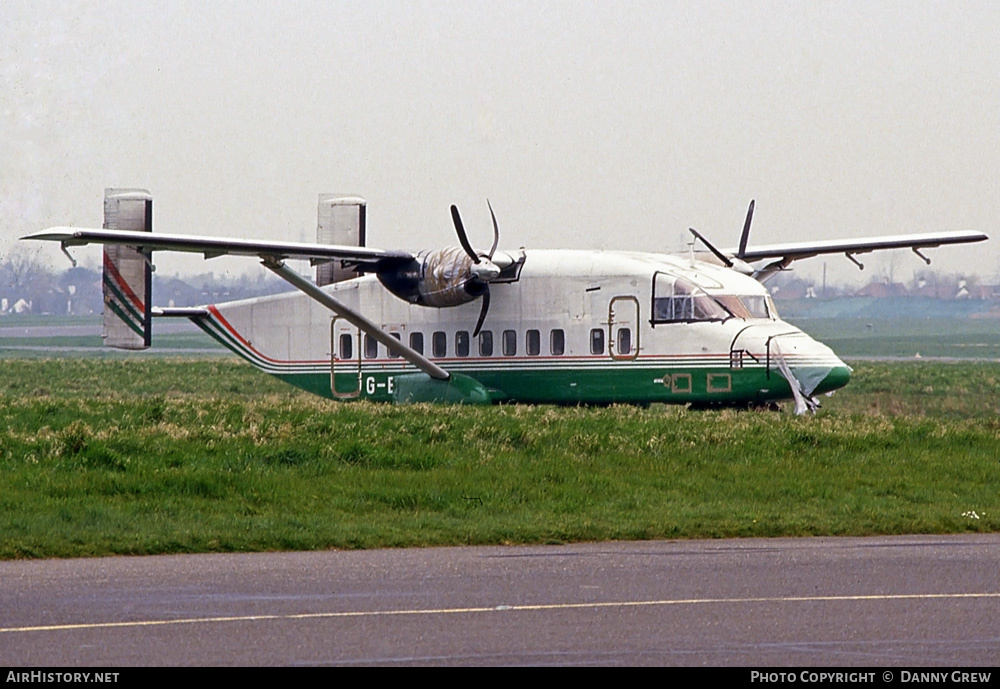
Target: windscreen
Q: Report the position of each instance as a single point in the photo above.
(678, 300)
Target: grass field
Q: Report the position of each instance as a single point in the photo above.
(33, 337)
(101, 456)
(953, 338)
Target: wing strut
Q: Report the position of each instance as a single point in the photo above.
(278, 267)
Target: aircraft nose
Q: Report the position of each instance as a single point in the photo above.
(818, 368)
(807, 364)
(838, 377)
(814, 366)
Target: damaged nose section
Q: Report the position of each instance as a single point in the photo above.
(810, 367)
(838, 377)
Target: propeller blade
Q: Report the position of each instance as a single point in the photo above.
(746, 232)
(728, 262)
(462, 238)
(482, 312)
(496, 230)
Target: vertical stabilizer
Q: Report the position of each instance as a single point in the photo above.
(341, 221)
(128, 275)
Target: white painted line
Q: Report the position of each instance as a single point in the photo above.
(495, 608)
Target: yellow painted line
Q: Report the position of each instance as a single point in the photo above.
(495, 608)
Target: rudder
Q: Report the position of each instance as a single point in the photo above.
(128, 275)
(341, 221)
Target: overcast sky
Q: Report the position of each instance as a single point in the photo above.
(587, 124)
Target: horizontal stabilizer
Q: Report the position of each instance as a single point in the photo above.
(180, 312)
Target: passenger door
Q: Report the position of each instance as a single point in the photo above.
(345, 359)
(623, 328)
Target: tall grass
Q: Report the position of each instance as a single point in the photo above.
(147, 456)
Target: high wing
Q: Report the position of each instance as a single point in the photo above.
(365, 258)
(787, 253)
(273, 255)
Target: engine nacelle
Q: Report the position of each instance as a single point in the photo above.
(439, 278)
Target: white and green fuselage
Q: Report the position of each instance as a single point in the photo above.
(570, 327)
(456, 325)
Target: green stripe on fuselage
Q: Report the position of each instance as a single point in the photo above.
(605, 383)
(594, 386)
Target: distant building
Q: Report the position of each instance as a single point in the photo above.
(881, 290)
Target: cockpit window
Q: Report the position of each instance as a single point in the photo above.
(678, 300)
(747, 305)
(756, 305)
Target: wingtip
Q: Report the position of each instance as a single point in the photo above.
(52, 234)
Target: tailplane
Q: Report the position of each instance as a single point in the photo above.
(128, 275)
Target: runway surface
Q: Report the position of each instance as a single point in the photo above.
(897, 602)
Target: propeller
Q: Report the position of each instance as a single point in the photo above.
(735, 262)
(483, 268)
(728, 262)
(746, 232)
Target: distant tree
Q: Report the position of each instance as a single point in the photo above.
(82, 289)
(23, 275)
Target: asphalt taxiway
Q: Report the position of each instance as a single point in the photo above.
(901, 601)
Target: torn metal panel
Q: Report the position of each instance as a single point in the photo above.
(802, 385)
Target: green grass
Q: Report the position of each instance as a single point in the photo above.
(171, 341)
(156, 456)
(957, 338)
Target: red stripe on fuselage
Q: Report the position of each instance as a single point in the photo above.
(221, 320)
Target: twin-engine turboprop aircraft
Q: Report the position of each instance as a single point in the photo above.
(457, 325)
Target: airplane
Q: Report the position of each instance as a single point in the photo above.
(454, 325)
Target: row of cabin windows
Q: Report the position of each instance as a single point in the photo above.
(508, 343)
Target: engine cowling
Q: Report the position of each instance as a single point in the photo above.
(440, 278)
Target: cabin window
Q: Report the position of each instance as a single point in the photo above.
(624, 341)
(557, 342)
(533, 342)
(346, 346)
(509, 342)
(678, 300)
(597, 341)
(417, 342)
(439, 344)
(393, 354)
(371, 347)
(486, 343)
(462, 343)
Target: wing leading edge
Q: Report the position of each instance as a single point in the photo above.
(794, 251)
(367, 259)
